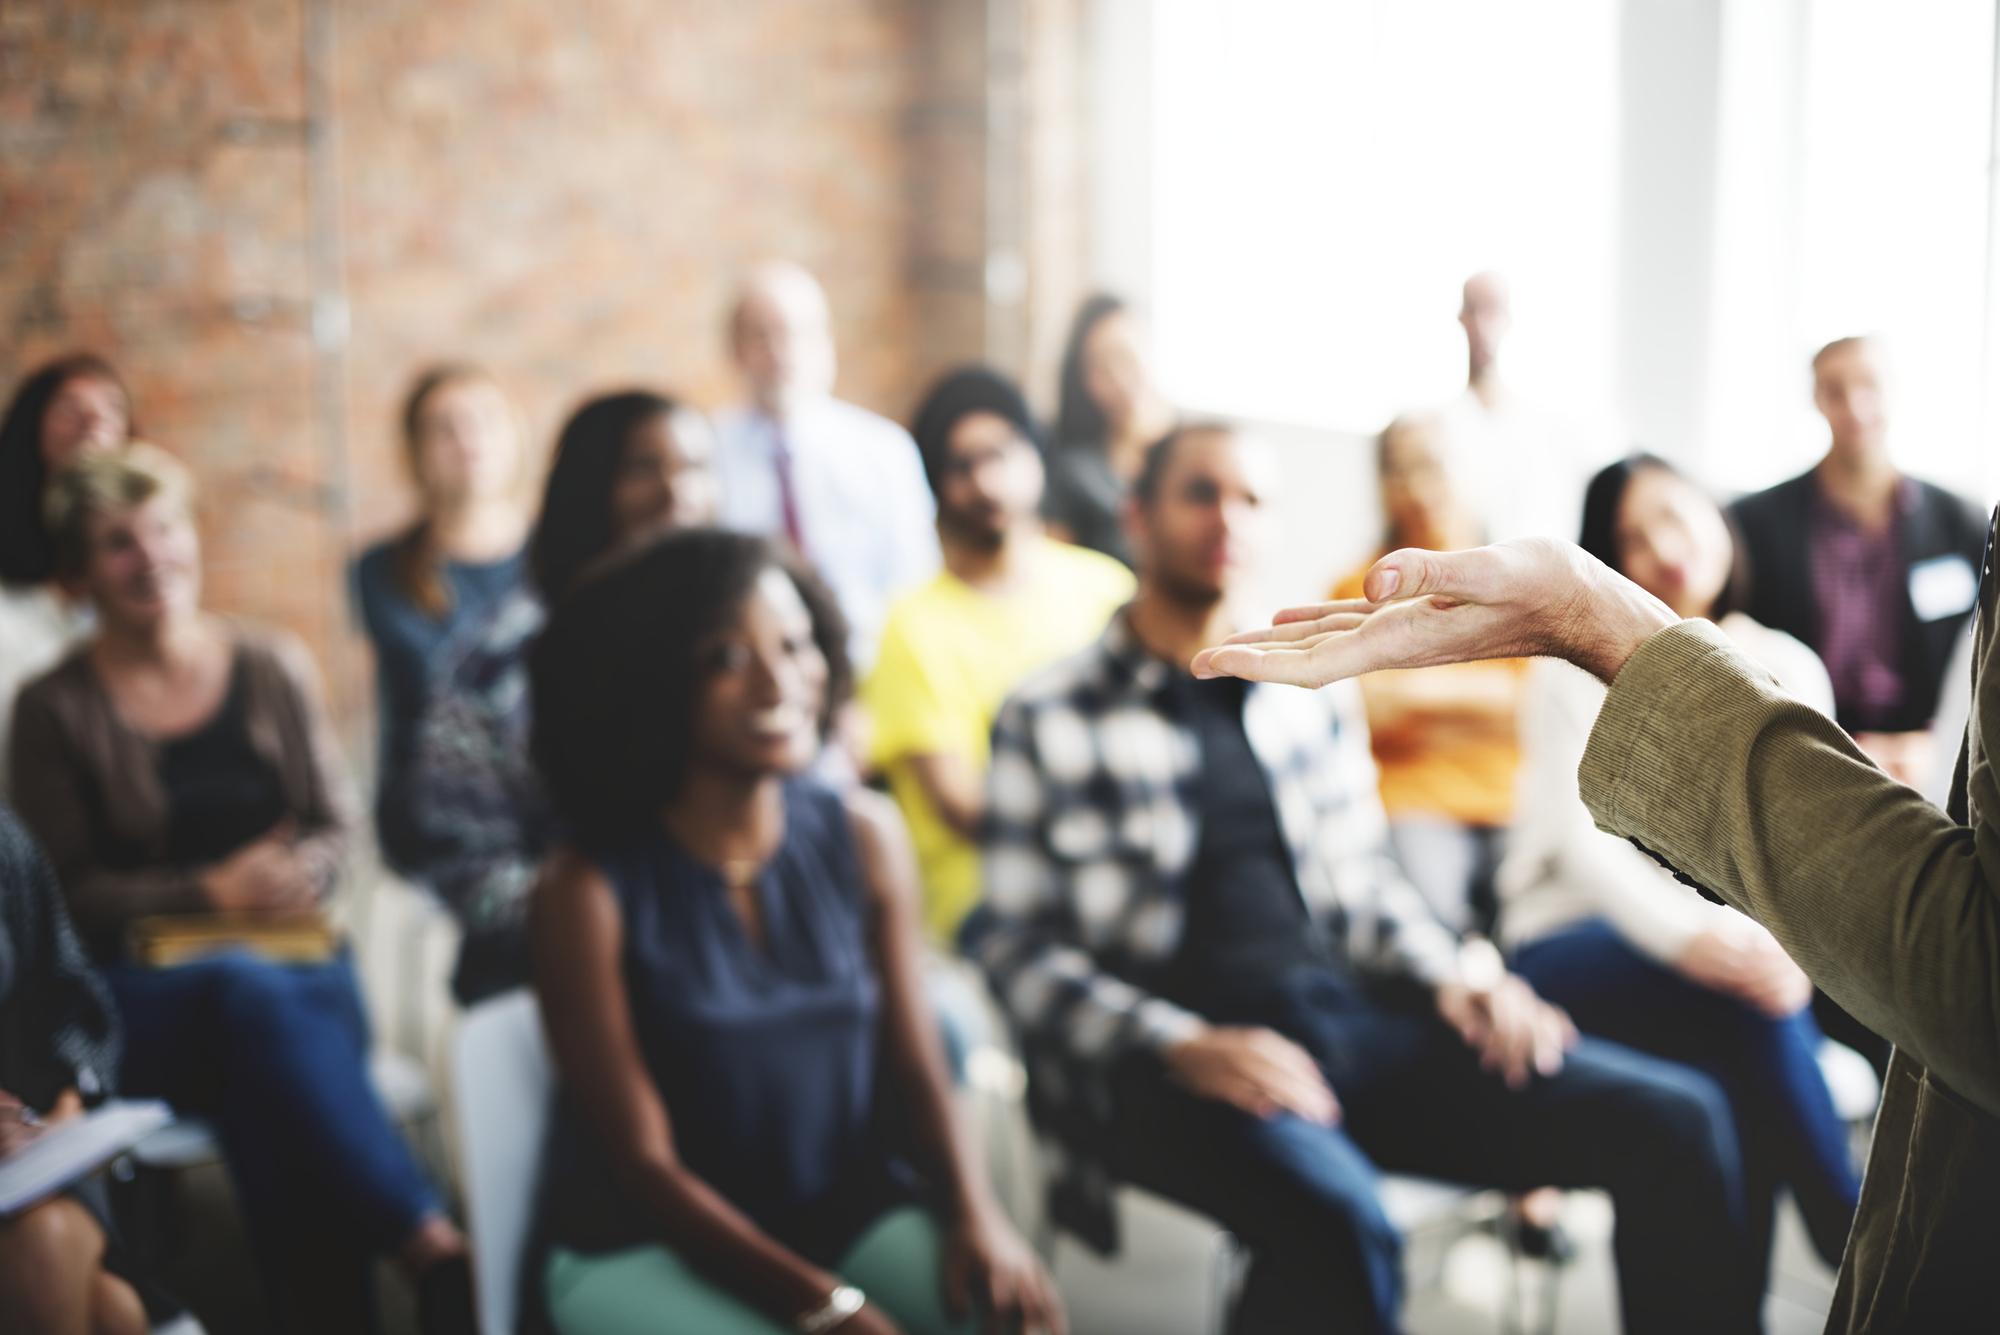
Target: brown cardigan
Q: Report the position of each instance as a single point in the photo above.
(83, 781)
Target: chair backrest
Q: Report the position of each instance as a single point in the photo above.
(503, 1085)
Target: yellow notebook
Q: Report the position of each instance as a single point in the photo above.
(167, 939)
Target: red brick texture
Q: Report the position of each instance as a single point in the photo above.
(565, 193)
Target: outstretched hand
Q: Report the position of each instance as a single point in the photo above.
(1532, 597)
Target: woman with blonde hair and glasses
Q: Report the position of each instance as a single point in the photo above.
(466, 549)
(178, 763)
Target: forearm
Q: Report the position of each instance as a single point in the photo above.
(955, 790)
(724, 1243)
(1880, 897)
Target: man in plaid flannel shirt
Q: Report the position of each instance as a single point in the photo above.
(1229, 995)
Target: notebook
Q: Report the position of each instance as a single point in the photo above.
(68, 1153)
(286, 938)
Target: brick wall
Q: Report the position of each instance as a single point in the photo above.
(563, 192)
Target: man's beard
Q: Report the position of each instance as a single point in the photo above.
(979, 537)
(1183, 591)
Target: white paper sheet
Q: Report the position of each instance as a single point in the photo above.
(67, 1153)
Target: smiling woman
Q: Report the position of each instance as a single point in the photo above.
(726, 959)
(182, 765)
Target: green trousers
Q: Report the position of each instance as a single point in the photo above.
(898, 1263)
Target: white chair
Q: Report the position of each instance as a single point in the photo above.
(1851, 1080)
(503, 1083)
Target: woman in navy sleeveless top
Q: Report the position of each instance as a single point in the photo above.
(755, 1131)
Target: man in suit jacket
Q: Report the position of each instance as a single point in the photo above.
(1873, 569)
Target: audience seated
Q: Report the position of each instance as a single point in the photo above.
(1603, 931)
(729, 964)
(462, 554)
(1877, 572)
(72, 407)
(179, 763)
(62, 1268)
(1009, 600)
(626, 465)
(1108, 412)
(1443, 737)
(842, 486)
(1184, 881)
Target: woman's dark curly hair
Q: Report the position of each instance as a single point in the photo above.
(575, 527)
(615, 675)
(1605, 496)
(27, 552)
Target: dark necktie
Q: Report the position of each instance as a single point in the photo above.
(788, 496)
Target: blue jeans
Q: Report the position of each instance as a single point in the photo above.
(277, 1056)
(1769, 1069)
(1303, 1197)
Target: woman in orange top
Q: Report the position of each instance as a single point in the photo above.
(1443, 736)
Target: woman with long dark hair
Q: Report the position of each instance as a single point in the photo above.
(66, 410)
(1110, 411)
(1603, 932)
(626, 465)
(729, 960)
(463, 445)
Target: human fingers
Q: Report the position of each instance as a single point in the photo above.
(1002, 1299)
(1042, 1306)
(1510, 1048)
(1292, 1079)
(957, 1274)
(1554, 1036)
(1320, 611)
(1294, 631)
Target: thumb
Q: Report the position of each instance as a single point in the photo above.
(1411, 573)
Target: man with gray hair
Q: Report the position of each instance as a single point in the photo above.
(844, 486)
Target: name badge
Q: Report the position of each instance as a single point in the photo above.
(1943, 587)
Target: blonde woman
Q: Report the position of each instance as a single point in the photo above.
(180, 763)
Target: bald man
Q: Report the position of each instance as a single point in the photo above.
(842, 485)
(1524, 465)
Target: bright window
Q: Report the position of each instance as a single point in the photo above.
(1328, 174)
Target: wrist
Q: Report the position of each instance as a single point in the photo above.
(832, 1311)
(1614, 617)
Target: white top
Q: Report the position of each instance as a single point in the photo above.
(37, 627)
(1560, 868)
(1523, 467)
(865, 511)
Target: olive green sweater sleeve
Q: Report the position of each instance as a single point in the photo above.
(1886, 901)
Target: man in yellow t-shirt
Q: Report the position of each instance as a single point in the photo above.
(1008, 601)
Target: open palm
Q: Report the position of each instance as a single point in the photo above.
(1525, 598)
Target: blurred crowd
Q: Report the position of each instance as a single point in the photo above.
(783, 751)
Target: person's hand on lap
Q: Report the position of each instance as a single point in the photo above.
(1516, 1034)
(1532, 597)
(987, 1260)
(1741, 958)
(265, 875)
(1258, 1070)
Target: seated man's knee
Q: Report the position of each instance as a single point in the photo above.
(1685, 1117)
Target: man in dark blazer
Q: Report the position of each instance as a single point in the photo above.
(1875, 570)
(1878, 573)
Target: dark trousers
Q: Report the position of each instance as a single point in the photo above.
(1790, 1133)
(1325, 1258)
(277, 1056)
